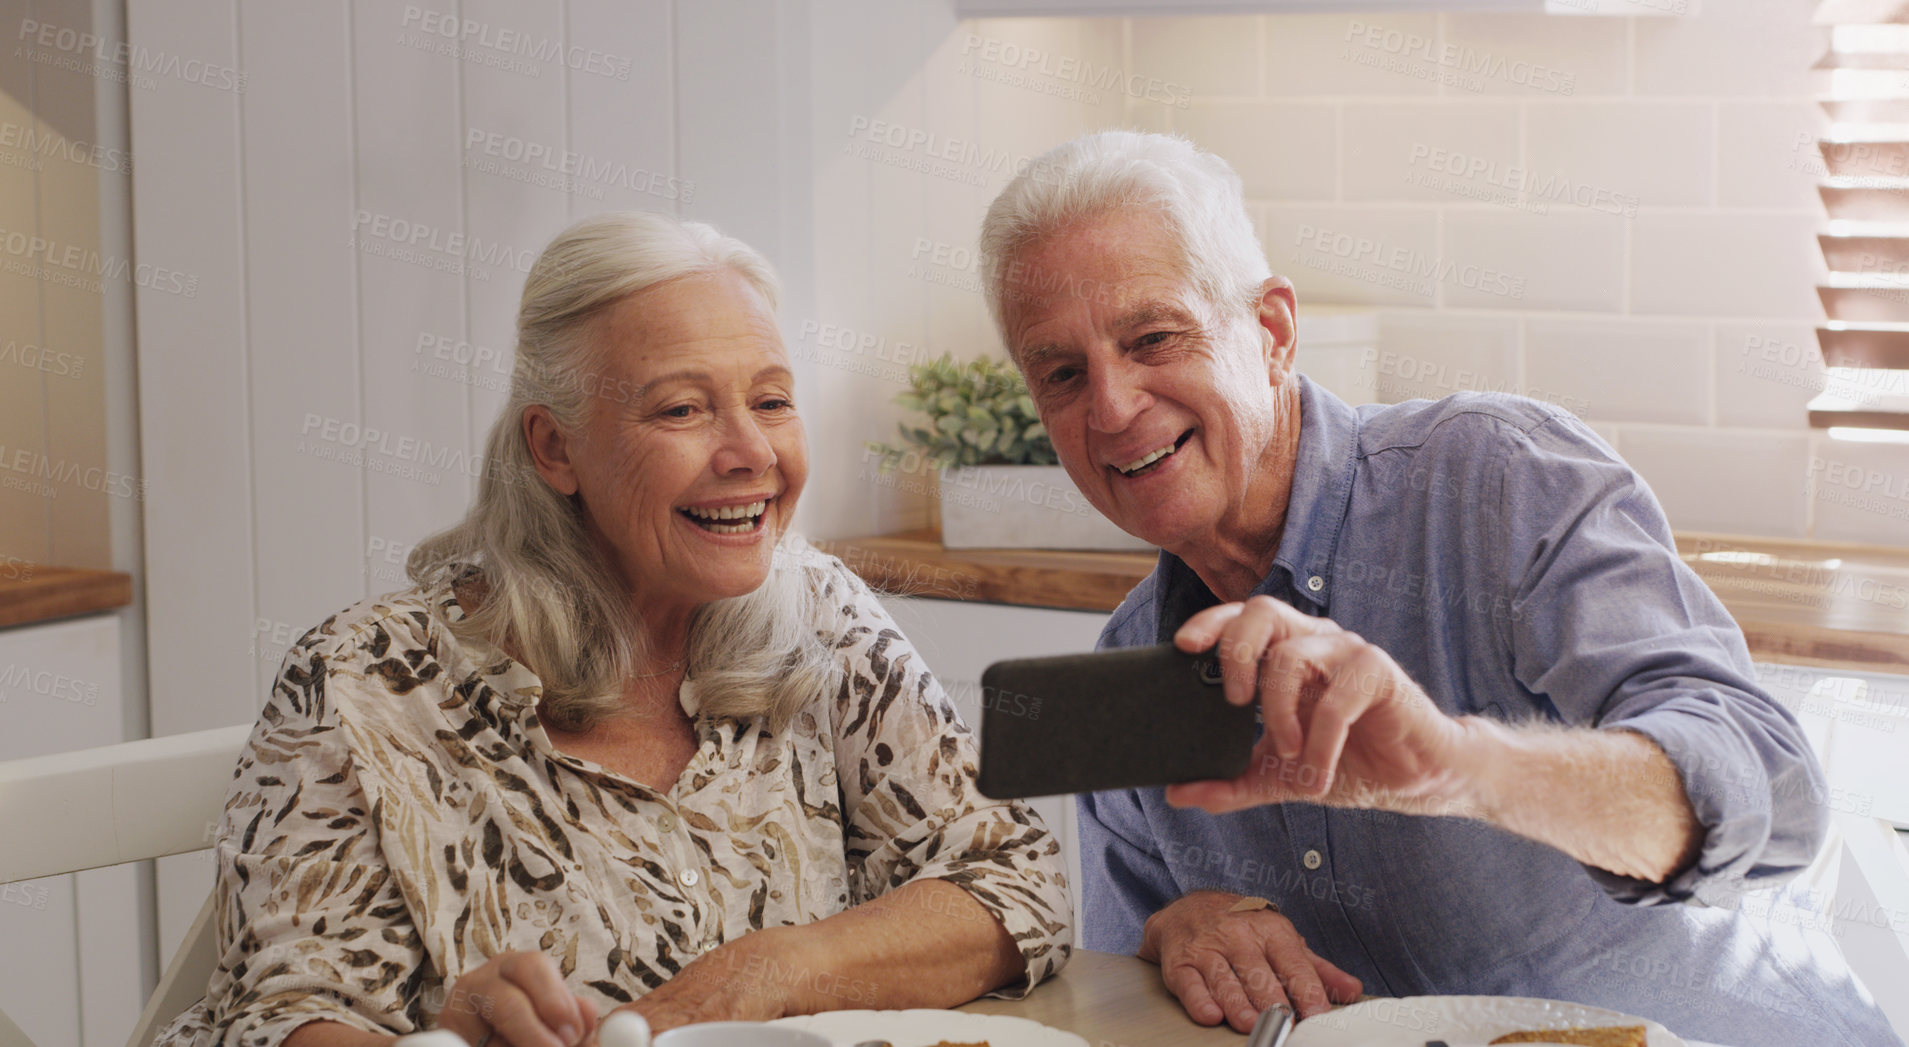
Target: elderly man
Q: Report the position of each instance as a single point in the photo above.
(1504, 727)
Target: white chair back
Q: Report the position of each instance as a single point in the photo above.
(122, 803)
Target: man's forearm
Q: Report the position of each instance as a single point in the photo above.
(924, 944)
(1607, 798)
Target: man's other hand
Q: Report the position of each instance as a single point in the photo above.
(1229, 966)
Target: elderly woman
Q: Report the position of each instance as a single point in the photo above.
(626, 743)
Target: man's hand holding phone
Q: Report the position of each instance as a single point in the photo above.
(1345, 725)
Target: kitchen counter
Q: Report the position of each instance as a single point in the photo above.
(1802, 603)
(36, 593)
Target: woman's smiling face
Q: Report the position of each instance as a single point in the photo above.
(690, 457)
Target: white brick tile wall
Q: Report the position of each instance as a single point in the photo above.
(1355, 255)
(1769, 156)
(1766, 374)
(1211, 56)
(1505, 259)
(1859, 492)
(1416, 150)
(1617, 156)
(1319, 55)
(1282, 150)
(1734, 481)
(1675, 312)
(1751, 48)
(1749, 265)
(1621, 370)
(1434, 354)
(1542, 56)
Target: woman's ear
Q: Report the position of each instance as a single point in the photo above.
(1278, 309)
(549, 449)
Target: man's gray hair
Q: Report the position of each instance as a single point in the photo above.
(551, 596)
(1195, 193)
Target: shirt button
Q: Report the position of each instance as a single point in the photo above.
(667, 823)
(1312, 860)
(1315, 583)
(688, 877)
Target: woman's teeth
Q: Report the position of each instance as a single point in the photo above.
(728, 519)
(1141, 463)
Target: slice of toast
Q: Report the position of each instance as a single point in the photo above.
(1588, 1036)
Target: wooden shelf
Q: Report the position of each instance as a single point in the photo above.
(33, 593)
(1803, 603)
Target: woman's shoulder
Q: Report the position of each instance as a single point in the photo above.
(374, 625)
(370, 662)
(832, 581)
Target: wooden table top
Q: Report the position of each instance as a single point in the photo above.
(32, 592)
(1117, 1001)
(1112, 1001)
(1804, 603)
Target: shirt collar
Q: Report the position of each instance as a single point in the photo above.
(1315, 511)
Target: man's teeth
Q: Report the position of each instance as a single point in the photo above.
(1142, 463)
(729, 512)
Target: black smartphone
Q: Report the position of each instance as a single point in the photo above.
(1125, 718)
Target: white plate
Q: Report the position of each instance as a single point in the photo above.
(922, 1028)
(1459, 1020)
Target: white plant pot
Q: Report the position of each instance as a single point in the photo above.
(1023, 507)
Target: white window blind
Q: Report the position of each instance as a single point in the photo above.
(1865, 191)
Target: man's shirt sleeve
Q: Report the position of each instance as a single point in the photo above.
(1609, 625)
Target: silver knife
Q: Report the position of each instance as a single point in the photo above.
(1274, 1025)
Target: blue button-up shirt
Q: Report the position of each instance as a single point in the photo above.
(1510, 562)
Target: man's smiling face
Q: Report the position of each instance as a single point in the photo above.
(1160, 404)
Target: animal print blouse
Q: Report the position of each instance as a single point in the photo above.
(399, 816)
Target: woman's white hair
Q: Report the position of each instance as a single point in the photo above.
(550, 597)
(1195, 193)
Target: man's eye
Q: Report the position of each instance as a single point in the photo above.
(1152, 338)
(679, 411)
(1060, 375)
(776, 404)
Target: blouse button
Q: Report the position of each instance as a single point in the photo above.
(687, 877)
(1311, 859)
(667, 823)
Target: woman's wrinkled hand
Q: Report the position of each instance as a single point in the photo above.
(751, 979)
(522, 1001)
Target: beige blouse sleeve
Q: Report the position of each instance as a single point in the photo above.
(907, 768)
(311, 926)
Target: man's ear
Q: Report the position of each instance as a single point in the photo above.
(549, 449)
(1279, 328)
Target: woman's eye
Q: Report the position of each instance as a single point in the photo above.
(1152, 338)
(1060, 375)
(679, 411)
(776, 404)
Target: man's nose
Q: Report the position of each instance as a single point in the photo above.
(1114, 396)
(744, 447)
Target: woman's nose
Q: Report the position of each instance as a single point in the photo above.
(744, 447)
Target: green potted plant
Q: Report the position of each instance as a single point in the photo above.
(1001, 485)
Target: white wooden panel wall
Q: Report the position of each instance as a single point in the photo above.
(69, 971)
(360, 219)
